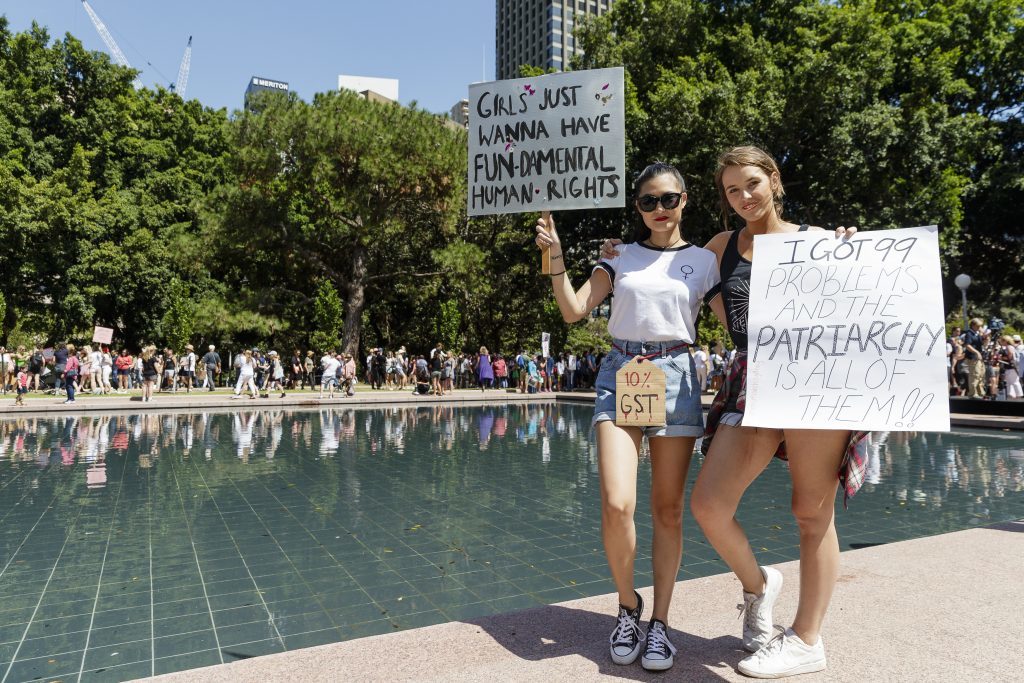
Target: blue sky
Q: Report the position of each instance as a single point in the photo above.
(434, 47)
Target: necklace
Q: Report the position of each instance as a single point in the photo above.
(674, 244)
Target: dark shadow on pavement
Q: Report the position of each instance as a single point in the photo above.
(557, 631)
(1017, 526)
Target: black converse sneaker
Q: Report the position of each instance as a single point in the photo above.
(659, 653)
(627, 637)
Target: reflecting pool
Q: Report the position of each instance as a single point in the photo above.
(141, 544)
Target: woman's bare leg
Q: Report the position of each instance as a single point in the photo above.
(670, 464)
(814, 458)
(618, 451)
(738, 455)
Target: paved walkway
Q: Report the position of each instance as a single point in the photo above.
(944, 608)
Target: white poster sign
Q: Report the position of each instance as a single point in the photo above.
(847, 334)
(547, 143)
(103, 335)
(545, 344)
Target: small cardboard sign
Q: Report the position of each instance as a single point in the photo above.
(640, 394)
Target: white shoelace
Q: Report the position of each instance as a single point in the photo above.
(627, 631)
(658, 643)
(749, 609)
(773, 646)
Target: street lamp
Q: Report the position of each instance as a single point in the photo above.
(963, 281)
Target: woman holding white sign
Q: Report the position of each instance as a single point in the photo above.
(749, 185)
(659, 282)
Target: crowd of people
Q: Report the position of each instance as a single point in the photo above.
(984, 363)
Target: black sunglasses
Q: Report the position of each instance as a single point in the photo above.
(649, 202)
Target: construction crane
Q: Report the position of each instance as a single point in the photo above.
(186, 64)
(101, 28)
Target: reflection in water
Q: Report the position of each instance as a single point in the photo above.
(339, 523)
(904, 468)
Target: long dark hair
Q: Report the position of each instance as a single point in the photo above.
(653, 170)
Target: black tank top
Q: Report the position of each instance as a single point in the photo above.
(735, 272)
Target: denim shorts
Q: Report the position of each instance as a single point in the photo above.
(683, 413)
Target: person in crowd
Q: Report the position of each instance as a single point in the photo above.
(717, 363)
(437, 358)
(379, 370)
(6, 368)
(559, 383)
(960, 374)
(70, 372)
(151, 371)
(308, 370)
(187, 371)
(484, 369)
(329, 364)
(123, 365)
(94, 362)
(422, 378)
(275, 374)
(1009, 365)
(654, 318)
(295, 370)
(348, 375)
(106, 362)
(60, 362)
(84, 369)
(548, 371)
(36, 363)
(522, 362)
(571, 368)
(211, 359)
(974, 343)
(137, 371)
(700, 359)
(170, 372)
(21, 385)
(500, 371)
(246, 363)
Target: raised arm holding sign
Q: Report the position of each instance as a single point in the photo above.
(646, 385)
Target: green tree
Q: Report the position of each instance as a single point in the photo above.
(341, 185)
(327, 316)
(179, 319)
(881, 113)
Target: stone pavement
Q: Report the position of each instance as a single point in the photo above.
(943, 608)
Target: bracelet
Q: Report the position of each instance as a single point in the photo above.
(561, 272)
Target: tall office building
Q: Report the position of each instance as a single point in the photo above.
(460, 113)
(539, 32)
(258, 84)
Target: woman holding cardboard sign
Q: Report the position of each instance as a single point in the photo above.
(750, 186)
(659, 283)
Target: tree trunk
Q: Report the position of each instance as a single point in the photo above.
(355, 302)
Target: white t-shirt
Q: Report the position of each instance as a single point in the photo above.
(658, 292)
(330, 365)
(190, 362)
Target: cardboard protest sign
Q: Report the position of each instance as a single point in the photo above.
(547, 143)
(847, 334)
(103, 335)
(640, 395)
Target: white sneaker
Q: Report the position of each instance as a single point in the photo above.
(757, 611)
(627, 638)
(785, 655)
(659, 652)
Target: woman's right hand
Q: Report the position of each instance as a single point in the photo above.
(608, 250)
(547, 237)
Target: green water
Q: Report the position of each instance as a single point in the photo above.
(141, 544)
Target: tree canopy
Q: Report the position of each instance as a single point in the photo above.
(170, 221)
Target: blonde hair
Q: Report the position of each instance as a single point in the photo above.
(747, 155)
(483, 350)
(148, 352)
(70, 348)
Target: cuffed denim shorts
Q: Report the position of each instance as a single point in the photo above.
(683, 413)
